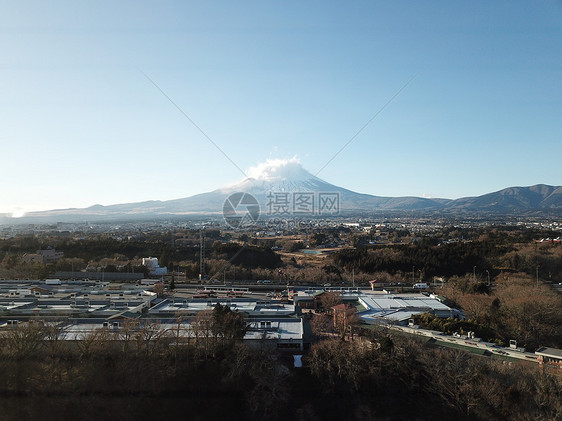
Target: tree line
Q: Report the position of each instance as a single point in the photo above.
(139, 372)
(455, 259)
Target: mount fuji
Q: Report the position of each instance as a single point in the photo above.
(288, 178)
(274, 177)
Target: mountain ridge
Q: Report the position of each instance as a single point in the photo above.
(287, 179)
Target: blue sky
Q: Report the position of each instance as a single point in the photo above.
(80, 124)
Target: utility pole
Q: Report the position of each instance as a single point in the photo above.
(202, 253)
(538, 266)
(413, 275)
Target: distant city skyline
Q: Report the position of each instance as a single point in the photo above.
(81, 124)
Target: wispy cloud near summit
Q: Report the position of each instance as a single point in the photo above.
(275, 169)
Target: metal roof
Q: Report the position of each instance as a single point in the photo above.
(550, 352)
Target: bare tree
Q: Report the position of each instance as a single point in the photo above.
(54, 336)
(202, 328)
(148, 336)
(321, 325)
(345, 320)
(24, 339)
(93, 342)
(270, 389)
(456, 379)
(159, 289)
(335, 361)
(126, 333)
(330, 299)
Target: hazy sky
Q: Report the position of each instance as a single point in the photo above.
(80, 123)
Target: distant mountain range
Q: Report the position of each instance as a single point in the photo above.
(292, 186)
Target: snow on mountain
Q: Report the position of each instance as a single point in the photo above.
(280, 175)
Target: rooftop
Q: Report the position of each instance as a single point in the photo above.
(251, 307)
(550, 352)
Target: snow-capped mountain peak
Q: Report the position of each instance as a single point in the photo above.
(279, 169)
(279, 175)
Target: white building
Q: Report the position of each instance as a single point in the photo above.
(282, 333)
(382, 307)
(153, 267)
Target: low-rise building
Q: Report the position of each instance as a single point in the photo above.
(550, 356)
(153, 266)
(373, 306)
(253, 308)
(49, 255)
(283, 333)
